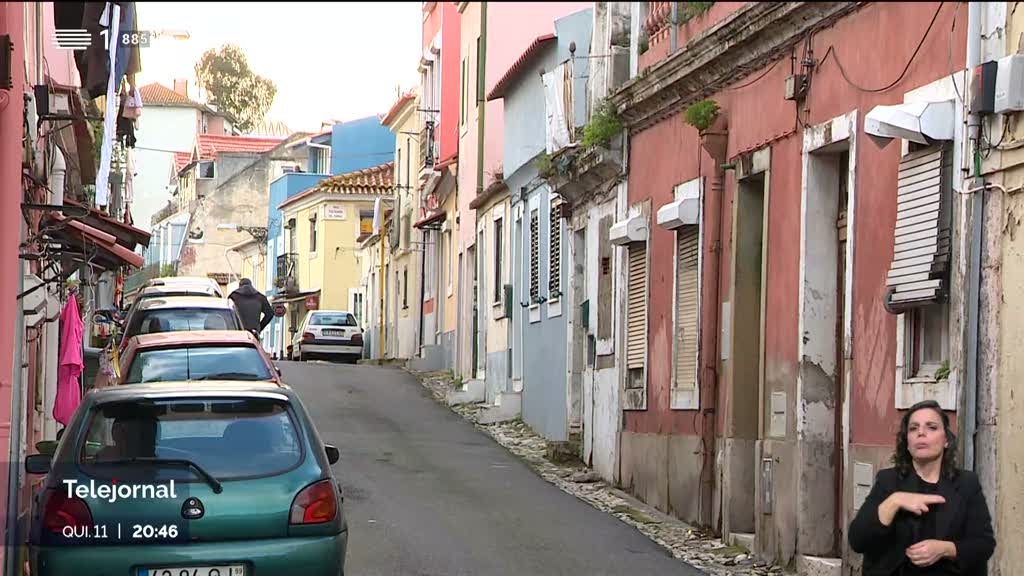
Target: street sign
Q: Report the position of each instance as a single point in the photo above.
(312, 302)
(279, 310)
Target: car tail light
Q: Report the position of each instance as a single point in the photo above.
(307, 336)
(62, 511)
(316, 504)
(357, 337)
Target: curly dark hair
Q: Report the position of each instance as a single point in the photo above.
(901, 458)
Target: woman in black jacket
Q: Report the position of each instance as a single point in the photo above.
(924, 515)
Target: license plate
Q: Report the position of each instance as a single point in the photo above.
(233, 570)
(336, 333)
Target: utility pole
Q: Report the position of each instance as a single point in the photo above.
(380, 238)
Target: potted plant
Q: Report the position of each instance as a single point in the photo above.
(711, 125)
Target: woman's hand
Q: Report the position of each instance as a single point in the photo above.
(928, 552)
(912, 502)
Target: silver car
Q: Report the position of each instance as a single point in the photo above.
(330, 334)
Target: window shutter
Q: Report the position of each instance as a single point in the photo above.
(687, 299)
(534, 256)
(922, 236)
(555, 257)
(636, 307)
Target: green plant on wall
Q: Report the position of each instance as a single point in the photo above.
(689, 10)
(603, 126)
(701, 115)
(645, 44)
(545, 167)
(943, 372)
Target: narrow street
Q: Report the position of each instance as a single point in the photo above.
(427, 494)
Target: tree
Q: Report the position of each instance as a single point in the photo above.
(234, 87)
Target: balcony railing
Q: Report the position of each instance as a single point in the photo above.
(658, 16)
(428, 145)
(286, 281)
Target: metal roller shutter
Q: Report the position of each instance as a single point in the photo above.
(687, 298)
(636, 307)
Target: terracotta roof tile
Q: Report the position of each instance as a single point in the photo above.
(157, 94)
(376, 180)
(510, 75)
(210, 145)
(181, 159)
(397, 107)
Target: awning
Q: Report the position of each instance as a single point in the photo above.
(297, 296)
(632, 229)
(921, 122)
(432, 221)
(686, 208)
(126, 234)
(95, 246)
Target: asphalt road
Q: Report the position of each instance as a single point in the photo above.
(427, 494)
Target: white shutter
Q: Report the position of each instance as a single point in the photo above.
(921, 240)
(636, 307)
(687, 299)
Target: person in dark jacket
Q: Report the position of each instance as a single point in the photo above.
(253, 307)
(924, 515)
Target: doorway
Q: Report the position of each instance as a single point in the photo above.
(746, 351)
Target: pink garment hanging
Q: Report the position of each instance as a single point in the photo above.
(69, 392)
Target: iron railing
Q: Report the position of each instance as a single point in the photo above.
(428, 150)
(285, 280)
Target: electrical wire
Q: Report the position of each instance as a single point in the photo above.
(842, 71)
(759, 77)
(952, 72)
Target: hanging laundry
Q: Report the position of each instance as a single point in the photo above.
(69, 391)
(125, 125)
(133, 105)
(111, 14)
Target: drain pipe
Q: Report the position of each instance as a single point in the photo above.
(710, 336)
(57, 174)
(972, 161)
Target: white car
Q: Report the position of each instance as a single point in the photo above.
(328, 333)
(179, 283)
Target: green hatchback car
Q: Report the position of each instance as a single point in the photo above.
(197, 479)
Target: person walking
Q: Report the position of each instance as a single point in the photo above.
(253, 307)
(924, 515)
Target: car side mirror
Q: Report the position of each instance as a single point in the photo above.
(46, 446)
(38, 463)
(333, 455)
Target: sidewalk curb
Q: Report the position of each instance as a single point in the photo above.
(680, 540)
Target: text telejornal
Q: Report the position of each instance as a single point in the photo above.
(114, 492)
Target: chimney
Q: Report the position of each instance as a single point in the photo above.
(181, 86)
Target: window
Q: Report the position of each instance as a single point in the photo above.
(405, 288)
(293, 239)
(312, 232)
(320, 159)
(687, 308)
(333, 318)
(290, 169)
(605, 279)
(498, 263)
(207, 170)
(555, 252)
(357, 305)
(480, 76)
(228, 438)
(182, 320)
(198, 363)
(636, 315)
(534, 256)
(928, 336)
(448, 258)
(462, 96)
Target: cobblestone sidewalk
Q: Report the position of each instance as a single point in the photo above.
(684, 542)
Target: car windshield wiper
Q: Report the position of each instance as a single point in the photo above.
(230, 376)
(213, 482)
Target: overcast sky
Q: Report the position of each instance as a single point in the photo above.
(329, 60)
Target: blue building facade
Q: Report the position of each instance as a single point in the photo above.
(360, 144)
(540, 246)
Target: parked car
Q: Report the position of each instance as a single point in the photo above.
(181, 313)
(174, 289)
(328, 333)
(221, 478)
(197, 355)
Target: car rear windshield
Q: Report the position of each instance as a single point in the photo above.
(333, 319)
(198, 363)
(228, 438)
(183, 320)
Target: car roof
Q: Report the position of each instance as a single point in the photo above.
(196, 337)
(329, 312)
(192, 389)
(199, 288)
(182, 280)
(185, 302)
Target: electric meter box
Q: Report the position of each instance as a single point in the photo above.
(1009, 94)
